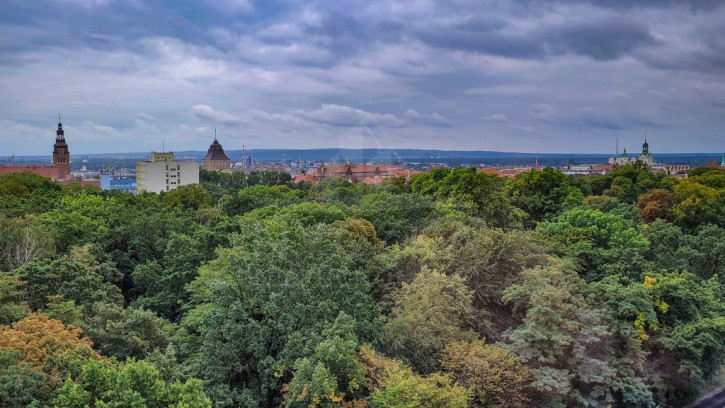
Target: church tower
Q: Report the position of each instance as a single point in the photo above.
(215, 158)
(61, 155)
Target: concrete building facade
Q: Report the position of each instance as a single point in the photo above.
(164, 173)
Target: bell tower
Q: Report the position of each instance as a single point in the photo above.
(61, 155)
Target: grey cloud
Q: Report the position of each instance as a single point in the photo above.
(416, 72)
(481, 39)
(692, 5)
(601, 40)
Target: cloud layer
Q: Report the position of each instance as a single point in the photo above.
(526, 75)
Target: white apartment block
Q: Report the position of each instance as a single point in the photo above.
(163, 173)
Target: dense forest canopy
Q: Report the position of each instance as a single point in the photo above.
(452, 289)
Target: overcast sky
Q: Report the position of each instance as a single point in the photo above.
(528, 75)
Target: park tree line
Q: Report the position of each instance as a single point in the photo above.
(452, 289)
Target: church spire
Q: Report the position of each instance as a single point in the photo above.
(59, 134)
(645, 145)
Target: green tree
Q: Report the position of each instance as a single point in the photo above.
(562, 338)
(191, 197)
(697, 204)
(13, 307)
(336, 189)
(257, 197)
(429, 313)
(396, 216)
(70, 279)
(162, 287)
(602, 244)
(104, 383)
(130, 332)
(543, 194)
(331, 375)
(264, 298)
(20, 385)
(479, 194)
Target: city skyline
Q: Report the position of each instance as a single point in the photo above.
(517, 76)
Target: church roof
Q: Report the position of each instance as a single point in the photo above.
(216, 152)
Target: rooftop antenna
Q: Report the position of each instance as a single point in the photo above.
(163, 146)
(616, 149)
(537, 159)
(214, 133)
(244, 157)
(59, 118)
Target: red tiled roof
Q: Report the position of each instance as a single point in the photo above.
(304, 177)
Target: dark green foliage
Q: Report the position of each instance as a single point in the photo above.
(126, 332)
(260, 305)
(162, 286)
(602, 244)
(190, 197)
(543, 194)
(338, 190)
(466, 189)
(30, 181)
(259, 196)
(70, 279)
(132, 384)
(396, 216)
(20, 385)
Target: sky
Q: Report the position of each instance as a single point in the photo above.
(568, 76)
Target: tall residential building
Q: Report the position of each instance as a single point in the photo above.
(215, 158)
(164, 173)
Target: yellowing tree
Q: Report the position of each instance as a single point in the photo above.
(392, 384)
(38, 337)
(494, 375)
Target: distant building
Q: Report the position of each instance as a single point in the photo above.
(356, 173)
(163, 173)
(111, 182)
(644, 157)
(60, 170)
(61, 155)
(215, 158)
